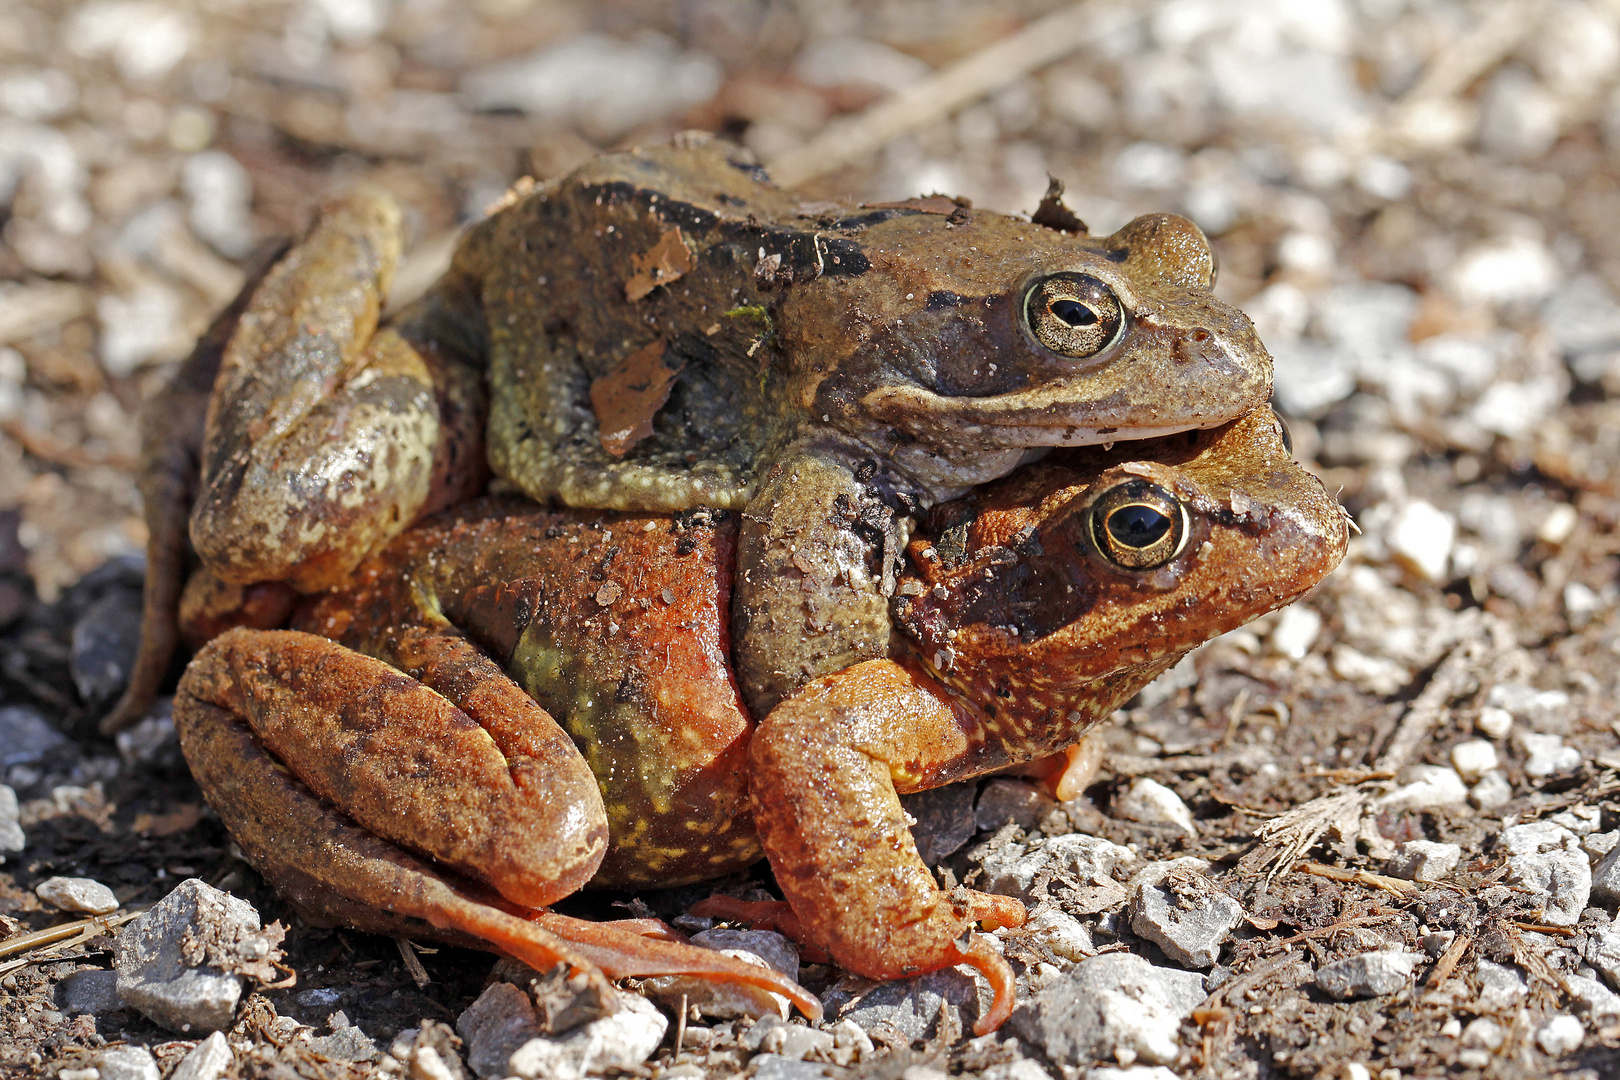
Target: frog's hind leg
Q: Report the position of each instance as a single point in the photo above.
(511, 804)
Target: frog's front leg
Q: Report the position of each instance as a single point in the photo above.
(342, 777)
(326, 437)
(826, 768)
(813, 556)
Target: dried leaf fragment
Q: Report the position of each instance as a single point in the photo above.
(666, 261)
(627, 398)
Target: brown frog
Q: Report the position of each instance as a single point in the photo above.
(510, 702)
(663, 329)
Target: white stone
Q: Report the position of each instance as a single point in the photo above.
(220, 192)
(146, 40)
(1420, 537)
(1592, 997)
(1515, 409)
(208, 1060)
(1424, 860)
(127, 1063)
(1493, 790)
(1428, 786)
(1376, 675)
(1506, 270)
(11, 835)
(1500, 987)
(1547, 861)
(623, 1040)
(1061, 934)
(1072, 858)
(1369, 974)
(1563, 1034)
(1495, 721)
(857, 61)
(1473, 759)
(38, 96)
(143, 326)
(1297, 629)
(1151, 803)
(606, 84)
(84, 896)
(1115, 1006)
(1606, 880)
(1483, 1032)
(1546, 755)
(1519, 117)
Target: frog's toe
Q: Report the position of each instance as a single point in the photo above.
(976, 951)
(625, 953)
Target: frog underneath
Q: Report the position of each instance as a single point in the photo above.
(429, 785)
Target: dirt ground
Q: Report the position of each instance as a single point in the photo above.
(1415, 201)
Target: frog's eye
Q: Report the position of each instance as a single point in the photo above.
(1074, 315)
(1138, 525)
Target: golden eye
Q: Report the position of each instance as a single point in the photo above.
(1074, 315)
(1138, 525)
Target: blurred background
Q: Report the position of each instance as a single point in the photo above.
(1414, 199)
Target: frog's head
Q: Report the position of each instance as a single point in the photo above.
(978, 334)
(1052, 596)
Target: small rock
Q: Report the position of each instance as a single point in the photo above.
(104, 642)
(1599, 844)
(1016, 801)
(1151, 803)
(1546, 755)
(794, 1040)
(1371, 974)
(220, 192)
(1429, 787)
(26, 738)
(777, 1067)
(944, 817)
(1473, 759)
(1061, 934)
(1591, 997)
(1377, 675)
(1547, 861)
(1542, 710)
(127, 1063)
(1562, 1034)
(152, 743)
(1424, 860)
(1115, 1007)
(84, 896)
(208, 1060)
(1298, 627)
(1014, 869)
(1421, 536)
(623, 1040)
(159, 969)
(909, 1008)
(1606, 880)
(1495, 721)
(1022, 1069)
(496, 1026)
(430, 1052)
(1603, 952)
(93, 992)
(347, 1043)
(1135, 1072)
(1581, 819)
(1187, 917)
(11, 834)
(1493, 790)
(1485, 1033)
(771, 947)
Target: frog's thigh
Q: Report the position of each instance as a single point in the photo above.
(306, 504)
(402, 761)
(826, 765)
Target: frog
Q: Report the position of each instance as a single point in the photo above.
(514, 701)
(664, 329)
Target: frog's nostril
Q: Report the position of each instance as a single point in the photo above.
(1073, 312)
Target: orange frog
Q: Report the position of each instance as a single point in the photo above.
(509, 703)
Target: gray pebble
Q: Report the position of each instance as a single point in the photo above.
(208, 1060)
(1013, 870)
(153, 975)
(93, 992)
(26, 738)
(1546, 860)
(1016, 802)
(104, 643)
(1109, 1007)
(127, 1063)
(1606, 880)
(1371, 974)
(84, 896)
(1424, 860)
(11, 834)
(1186, 917)
(944, 820)
(777, 1067)
(346, 1044)
(908, 1007)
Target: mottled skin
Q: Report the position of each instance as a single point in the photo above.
(662, 329)
(1027, 612)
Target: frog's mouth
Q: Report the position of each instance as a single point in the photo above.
(1052, 417)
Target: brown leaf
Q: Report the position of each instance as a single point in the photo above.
(627, 398)
(1053, 214)
(666, 261)
(177, 820)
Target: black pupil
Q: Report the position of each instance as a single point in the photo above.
(1073, 312)
(1137, 526)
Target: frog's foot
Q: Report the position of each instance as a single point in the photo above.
(626, 950)
(825, 768)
